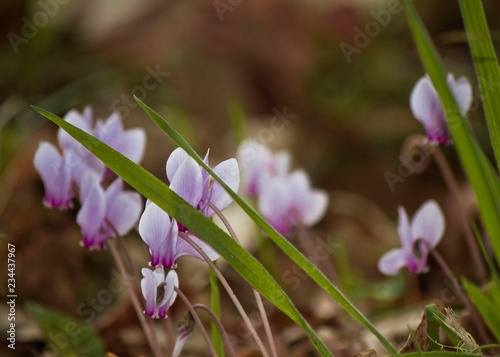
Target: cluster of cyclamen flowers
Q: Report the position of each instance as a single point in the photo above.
(285, 199)
(75, 173)
(163, 234)
(426, 229)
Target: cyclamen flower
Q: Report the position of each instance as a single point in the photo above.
(56, 176)
(259, 164)
(161, 234)
(190, 181)
(158, 291)
(427, 108)
(288, 201)
(105, 211)
(417, 239)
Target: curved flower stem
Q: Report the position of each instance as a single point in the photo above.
(420, 141)
(258, 297)
(461, 293)
(227, 343)
(197, 320)
(230, 292)
(147, 328)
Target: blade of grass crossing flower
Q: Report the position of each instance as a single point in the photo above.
(480, 173)
(159, 193)
(486, 64)
(283, 243)
(215, 307)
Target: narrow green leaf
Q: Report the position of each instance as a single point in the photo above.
(489, 311)
(439, 318)
(432, 327)
(215, 307)
(480, 173)
(283, 243)
(486, 64)
(65, 336)
(159, 193)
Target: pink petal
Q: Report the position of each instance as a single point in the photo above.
(187, 182)
(123, 211)
(91, 216)
(186, 249)
(229, 172)
(110, 130)
(254, 159)
(391, 262)
(404, 231)
(462, 91)
(55, 173)
(148, 288)
(132, 144)
(309, 204)
(428, 223)
(154, 228)
(174, 161)
(81, 121)
(275, 204)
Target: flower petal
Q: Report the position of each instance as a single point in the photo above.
(310, 205)
(55, 173)
(123, 211)
(275, 203)
(428, 223)
(174, 161)
(132, 144)
(81, 121)
(154, 227)
(184, 248)
(253, 158)
(391, 262)
(404, 231)
(187, 182)
(148, 288)
(229, 172)
(462, 91)
(91, 215)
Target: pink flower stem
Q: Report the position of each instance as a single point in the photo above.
(229, 348)
(258, 297)
(461, 293)
(230, 292)
(148, 331)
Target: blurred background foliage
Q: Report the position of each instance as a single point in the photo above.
(351, 118)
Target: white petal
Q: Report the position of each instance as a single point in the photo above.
(174, 161)
(153, 229)
(462, 91)
(184, 248)
(275, 203)
(80, 121)
(229, 172)
(123, 211)
(91, 216)
(391, 262)
(404, 230)
(424, 102)
(188, 183)
(428, 223)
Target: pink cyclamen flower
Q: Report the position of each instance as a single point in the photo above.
(427, 108)
(417, 239)
(158, 291)
(190, 181)
(288, 201)
(56, 176)
(259, 164)
(130, 143)
(105, 211)
(161, 234)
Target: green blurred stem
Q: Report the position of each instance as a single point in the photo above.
(197, 320)
(258, 297)
(486, 64)
(230, 292)
(215, 309)
(219, 326)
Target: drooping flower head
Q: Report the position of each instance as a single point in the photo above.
(158, 291)
(259, 164)
(418, 237)
(288, 201)
(105, 212)
(161, 234)
(427, 108)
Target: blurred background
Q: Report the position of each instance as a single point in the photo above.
(340, 71)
